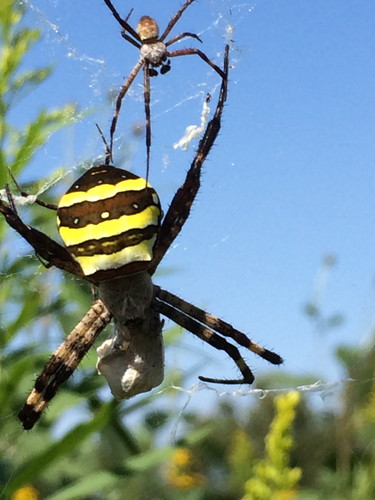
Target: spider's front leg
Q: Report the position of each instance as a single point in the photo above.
(120, 98)
(212, 330)
(63, 362)
(206, 334)
(147, 92)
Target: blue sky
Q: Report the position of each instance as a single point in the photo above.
(290, 180)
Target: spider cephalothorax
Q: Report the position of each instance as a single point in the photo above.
(110, 220)
(154, 53)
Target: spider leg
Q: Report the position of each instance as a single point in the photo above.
(218, 325)
(10, 199)
(63, 362)
(181, 36)
(202, 55)
(207, 335)
(129, 39)
(50, 206)
(123, 22)
(147, 91)
(174, 19)
(180, 206)
(45, 247)
(108, 152)
(120, 97)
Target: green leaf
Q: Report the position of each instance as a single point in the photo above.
(37, 133)
(28, 80)
(40, 463)
(148, 459)
(94, 483)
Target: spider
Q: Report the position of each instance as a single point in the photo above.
(153, 54)
(110, 222)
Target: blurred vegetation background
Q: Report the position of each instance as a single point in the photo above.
(280, 448)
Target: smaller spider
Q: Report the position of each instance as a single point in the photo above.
(154, 54)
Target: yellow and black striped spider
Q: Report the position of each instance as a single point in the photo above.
(154, 53)
(110, 222)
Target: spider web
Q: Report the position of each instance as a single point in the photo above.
(98, 69)
(223, 260)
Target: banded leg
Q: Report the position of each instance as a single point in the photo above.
(185, 34)
(147, 100)
(63, 362)
(209, 336)
(124, 24)
(175, 19)
(202, 55)
(179, 209)
(44, 246)
(120, 97)
(218, 325)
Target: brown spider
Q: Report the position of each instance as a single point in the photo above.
(154, 54)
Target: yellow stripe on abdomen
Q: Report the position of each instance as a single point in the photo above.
(136, 253)
(109, 228)
(102, 191)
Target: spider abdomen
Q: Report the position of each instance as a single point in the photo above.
(147, 28)
(109, 221)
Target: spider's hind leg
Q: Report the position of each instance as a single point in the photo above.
(24, 194)
(179, 208)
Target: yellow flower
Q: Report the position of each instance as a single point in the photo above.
(286, 495)
(272, 476)
(182, 457)
(182, 471)
(27, 492)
